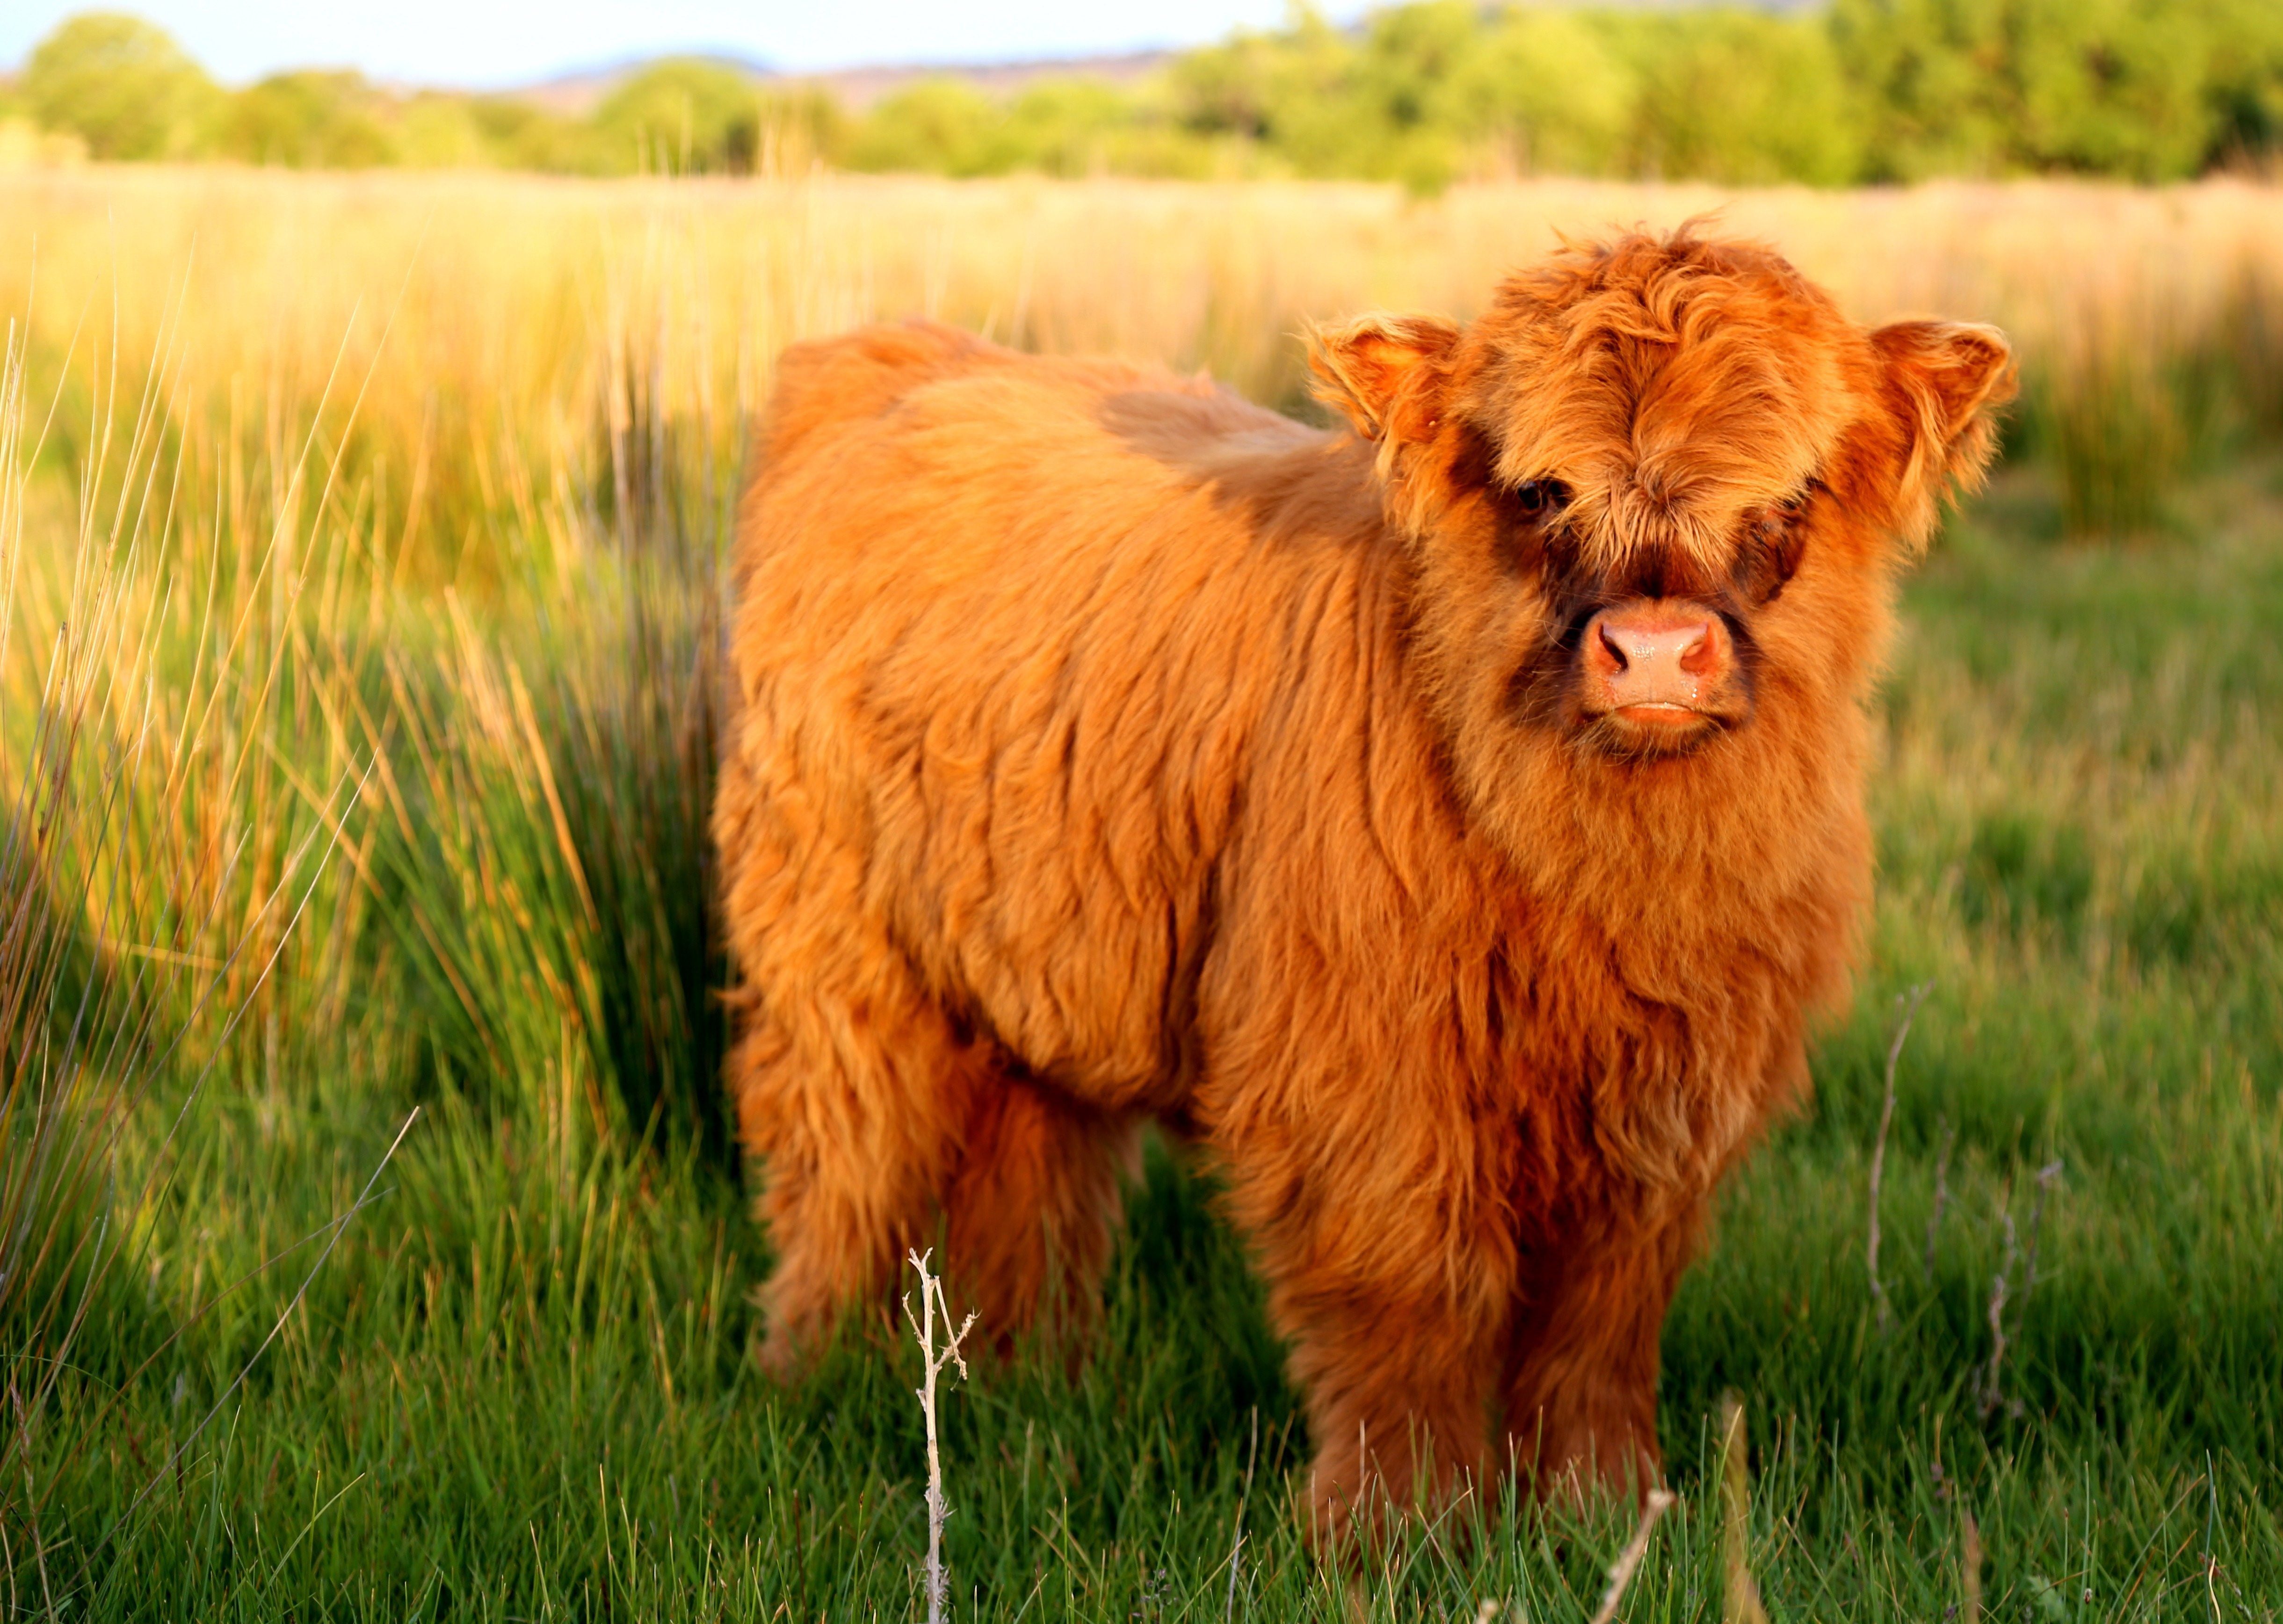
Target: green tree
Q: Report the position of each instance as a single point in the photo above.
(120, 85)
(521, 135)
(937, 126)
(1320, 103)
(1399, 99)
(1922, 70)
(436, 130)
(1291, 92)
(1073, 128)
(2243, 84)
(309, 120)
(1739, 96)
(2148, 89)
(1546, 93)
(2115, 87)
(681, 117)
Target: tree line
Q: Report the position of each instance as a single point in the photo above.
(1426, 93)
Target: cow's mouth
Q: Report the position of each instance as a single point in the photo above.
(1650, 731)
(1661, 713)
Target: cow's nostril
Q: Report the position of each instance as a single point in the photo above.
(1616, 650)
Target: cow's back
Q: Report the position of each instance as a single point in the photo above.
(1005, 628)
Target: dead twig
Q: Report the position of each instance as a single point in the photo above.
(1743, 1605)
(1949, 1137)
(1991, 1394)
(1621, 1572)
(1236, 1548)
(932, 1363)
(1970, 1562)
(1909, 1004)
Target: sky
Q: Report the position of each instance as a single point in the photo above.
(490, 43)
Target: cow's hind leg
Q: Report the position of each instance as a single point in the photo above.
(1033, 1208)
(879, 1123)
(873, 1117)
(852, 1095)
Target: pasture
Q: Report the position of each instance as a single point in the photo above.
(363, 542)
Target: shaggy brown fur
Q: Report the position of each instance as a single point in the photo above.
(1453, 825)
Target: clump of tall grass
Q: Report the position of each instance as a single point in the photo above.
(224, 668)
(2120, 429)
(2249, 337)
(545, 773)
(167, 829)
(2130, 396)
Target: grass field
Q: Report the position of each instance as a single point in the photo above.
(361, 543)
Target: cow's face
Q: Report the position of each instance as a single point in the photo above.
(1653, 492)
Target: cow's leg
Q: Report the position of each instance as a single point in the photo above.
(868, 1124)
(871, 1114)
(1581, 1373)
(852, 1084)
(1032, 1209)
(1390, 1283)
(851, 1101)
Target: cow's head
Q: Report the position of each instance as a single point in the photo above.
(1654, 493)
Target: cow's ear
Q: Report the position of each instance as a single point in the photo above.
(1384, 374)
(1944, 382)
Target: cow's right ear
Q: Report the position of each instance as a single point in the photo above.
(1384, 374)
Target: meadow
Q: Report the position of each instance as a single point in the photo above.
(370, 1241)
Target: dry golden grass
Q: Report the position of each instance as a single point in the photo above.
(506, 322)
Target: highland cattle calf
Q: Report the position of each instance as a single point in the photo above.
(1451, 823)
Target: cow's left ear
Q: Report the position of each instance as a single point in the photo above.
(1944, 382)
(1384, 374)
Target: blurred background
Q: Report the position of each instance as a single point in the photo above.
(1857, 91)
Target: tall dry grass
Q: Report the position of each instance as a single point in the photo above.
(512, 326)
(172, 803)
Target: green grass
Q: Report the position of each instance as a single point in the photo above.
(518, 1386)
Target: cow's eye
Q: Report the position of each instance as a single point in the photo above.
(1779, 536)
(1541, 499)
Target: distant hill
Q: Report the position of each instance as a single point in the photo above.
(858, 87)
(575, 94)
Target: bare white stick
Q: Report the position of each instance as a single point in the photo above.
(1243, 1499)
(932, 1363)
(1916, 996)
(1621, 1572)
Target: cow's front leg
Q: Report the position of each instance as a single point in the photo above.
(1581, 1365)
(1390, 1278)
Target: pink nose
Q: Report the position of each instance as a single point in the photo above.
(1656, 661)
